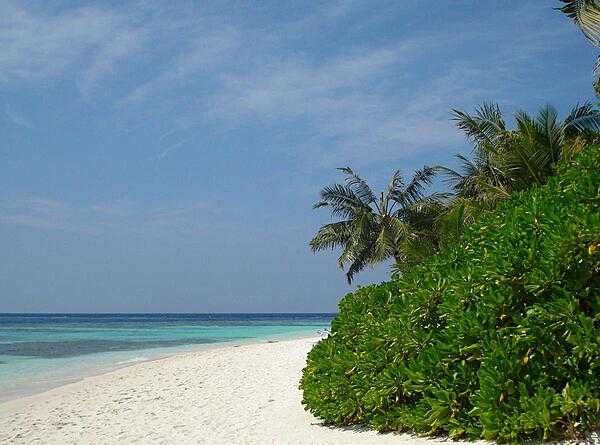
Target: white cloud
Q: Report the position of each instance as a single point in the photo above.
(352, 107)
(114, 51)
(170, 148)
(16, 118)
(119, 216)
(203, 53)
(38, 212)
(87, 44)
(291, 87)
(362, 101)
(43, 45)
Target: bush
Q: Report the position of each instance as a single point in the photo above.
(498, 336)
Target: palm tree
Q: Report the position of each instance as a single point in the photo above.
(398, 224)
(481, 181)
(505, 160)
(541, 142)
(483, 178)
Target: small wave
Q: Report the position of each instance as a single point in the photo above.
(133, 360)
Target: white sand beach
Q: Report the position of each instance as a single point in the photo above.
(245, 394)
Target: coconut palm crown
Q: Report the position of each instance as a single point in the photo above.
(506, 159)
(396, 224)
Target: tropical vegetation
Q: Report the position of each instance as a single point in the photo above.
(497, 336)
(408, 225)
(490, 326)
(398, 223)
(505, 160)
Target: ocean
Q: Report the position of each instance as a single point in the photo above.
(42, 351)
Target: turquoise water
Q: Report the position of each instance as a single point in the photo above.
(42, 351)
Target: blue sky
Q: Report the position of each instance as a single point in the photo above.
(164, 156)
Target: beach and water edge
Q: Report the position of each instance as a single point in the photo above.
(244, 392)
(39, 352)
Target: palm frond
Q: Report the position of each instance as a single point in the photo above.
(405, 196)
(423, 214)
(485, 127)
(348, 254)
(399, 230)
(547, 120)
(526, 125)
(586, 15)
(384, 245)
(358, 185)
(361, 252)
(462, 182)
(527, 162)
(452, 177)
(331, 236)
(552, 134)
(395, 184)
(357, 265)
(582, 118)
(362, 230)
(421, 178)
(342, 201)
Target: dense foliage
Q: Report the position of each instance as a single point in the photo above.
(498, 336)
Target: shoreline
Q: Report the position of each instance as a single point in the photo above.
(233, 394)
(109, 367)
(200, 348)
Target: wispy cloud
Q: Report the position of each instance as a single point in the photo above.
(361, 100)
(88, 44)
(113, 52)
(349, 105)
(119, 216)
(169, 149)
(46, 43)
(39, 212)
(16, 118)
(203, 52)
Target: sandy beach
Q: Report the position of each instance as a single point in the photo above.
(244, 394)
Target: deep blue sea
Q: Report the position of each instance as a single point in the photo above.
(41, 351)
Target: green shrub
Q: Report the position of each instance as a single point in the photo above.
(498, 336)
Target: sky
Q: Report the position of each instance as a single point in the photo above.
(165, 156)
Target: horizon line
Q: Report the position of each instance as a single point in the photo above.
(167, 313)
